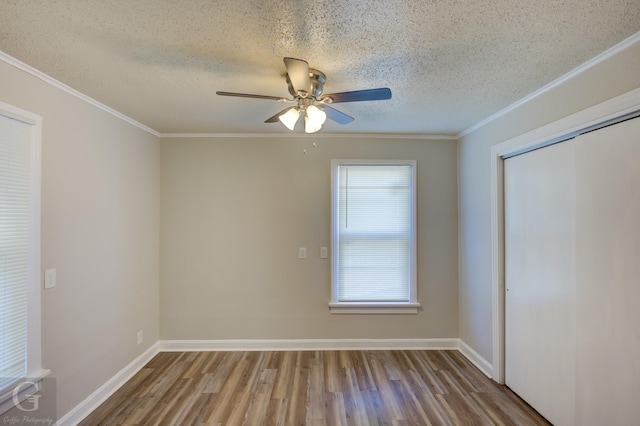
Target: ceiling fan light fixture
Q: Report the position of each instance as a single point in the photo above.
(306, 87)
(290, 118)
(314, 119)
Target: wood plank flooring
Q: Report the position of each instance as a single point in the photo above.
(312, 388)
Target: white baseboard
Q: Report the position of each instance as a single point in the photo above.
(304, 344)
(476, 359)
(83, 409)
(92, 402)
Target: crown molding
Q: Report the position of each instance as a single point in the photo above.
(422, 136)
(628, 42)
(71, 91)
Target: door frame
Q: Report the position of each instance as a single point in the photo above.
(609, 112)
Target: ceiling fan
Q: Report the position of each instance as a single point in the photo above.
(305, 85)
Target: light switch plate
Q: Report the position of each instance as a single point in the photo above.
(49, 278)
(302, 253)
(323, 253)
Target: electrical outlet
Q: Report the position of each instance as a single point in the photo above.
(139, 337)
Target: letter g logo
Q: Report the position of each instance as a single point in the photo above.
(32, 399)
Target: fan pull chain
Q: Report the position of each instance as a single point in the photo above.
(304, 151)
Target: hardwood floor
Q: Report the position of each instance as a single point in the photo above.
(313, 388)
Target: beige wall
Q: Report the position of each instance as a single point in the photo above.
(235, 211)
(100, 230)
(616, 75)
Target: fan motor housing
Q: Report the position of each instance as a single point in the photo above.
(317, 84)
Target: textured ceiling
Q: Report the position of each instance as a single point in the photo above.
(449, 63)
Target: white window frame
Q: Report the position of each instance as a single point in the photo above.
(378, 307)
(35, 372)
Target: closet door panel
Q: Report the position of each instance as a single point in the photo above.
(608, 275)
(540, 280)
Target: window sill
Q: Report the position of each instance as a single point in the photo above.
(373, 308)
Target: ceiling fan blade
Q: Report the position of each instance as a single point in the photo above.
(337, 116)
(360, 95)
(276, 117)
(298, 71)
(247, 95)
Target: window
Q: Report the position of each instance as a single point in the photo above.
(19, 251)
(373, 236)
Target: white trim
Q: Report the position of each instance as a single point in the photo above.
(497, 266)
(608, 110)
(73, 92)
(306, 344)
(605, 111)
(476, 359)
(373, 308)
(425, 136)
(557, 82)
(34, 291)
(20, 114)
(101, 394)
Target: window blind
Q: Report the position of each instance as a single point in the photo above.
(374, 233)
(15, 156)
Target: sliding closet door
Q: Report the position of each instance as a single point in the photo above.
(572, 242)
(540, 310)
(608, 275)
